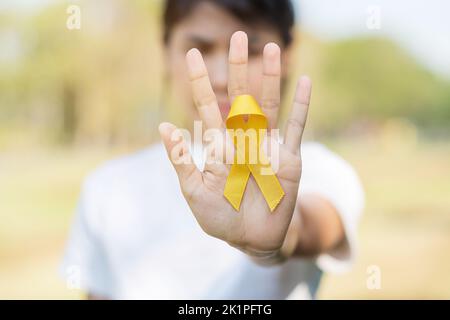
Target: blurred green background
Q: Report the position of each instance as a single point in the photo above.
(71, 99)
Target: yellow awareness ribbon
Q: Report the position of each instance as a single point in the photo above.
(247, 125)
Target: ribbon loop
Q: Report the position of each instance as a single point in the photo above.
(247, 125)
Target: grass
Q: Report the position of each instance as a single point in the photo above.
(406, 225)
(405, 229)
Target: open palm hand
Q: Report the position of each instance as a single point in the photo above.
(254, 228)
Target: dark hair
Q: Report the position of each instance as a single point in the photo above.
(277, 13)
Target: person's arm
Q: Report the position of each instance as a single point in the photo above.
(315, 228)
(318, 226)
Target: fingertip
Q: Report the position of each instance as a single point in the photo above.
(271, 49)
(165, 129)
(193, 58)
(239, 37)
(196, 66)
(304, 81)
(272, 59)
(163, 126)
(238, 47)
(193, 54)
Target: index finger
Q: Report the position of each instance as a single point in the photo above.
(202, 92)
(297, 118)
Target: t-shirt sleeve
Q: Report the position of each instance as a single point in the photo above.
(328, 175)
(85, 263)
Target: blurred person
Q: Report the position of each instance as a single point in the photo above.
(145, 230)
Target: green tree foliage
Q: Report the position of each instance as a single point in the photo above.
(373, 79)
(103, 83)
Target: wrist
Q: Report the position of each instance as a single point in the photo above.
(278, 256)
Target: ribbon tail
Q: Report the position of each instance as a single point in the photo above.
(235, 185)
(268, 183)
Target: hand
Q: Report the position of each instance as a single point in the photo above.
(254, 229)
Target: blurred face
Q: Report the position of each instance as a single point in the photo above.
(209, 29)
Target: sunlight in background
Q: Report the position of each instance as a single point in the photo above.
(422, 27)
(408, 22)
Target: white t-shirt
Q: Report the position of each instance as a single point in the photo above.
(134, 236)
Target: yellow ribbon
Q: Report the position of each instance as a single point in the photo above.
(246, 114)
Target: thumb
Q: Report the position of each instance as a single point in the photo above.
(178, 153)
